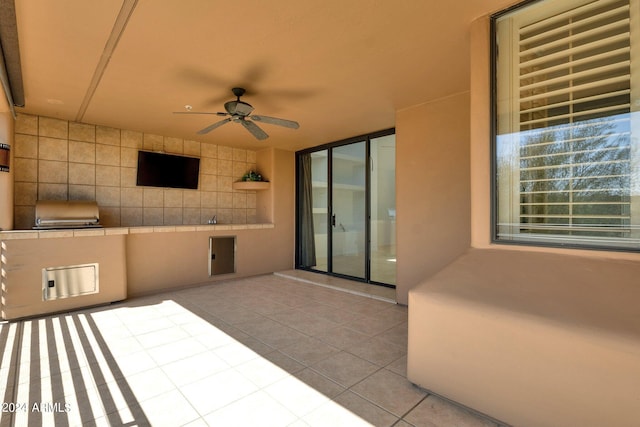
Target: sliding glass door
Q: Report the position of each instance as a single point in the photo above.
(346, 209)
(383, 209)
(349, 209)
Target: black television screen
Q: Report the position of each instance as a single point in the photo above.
(167, 170)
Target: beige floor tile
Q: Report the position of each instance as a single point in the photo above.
(371, 325)
(271, 332)
(161, 337)
(396, 335)
(296, 395)
(197, 423)
(169, 409)
(334, 415)
(435, 411)
(378, 351)
(139, 326)
(235, 353)
(318, 309)
(285, 362)
(194, 368)
(123, 346)
(117, 399)
(344, 316)
(390, 391)
(261, 372)
(148, 384)
(365, 409)
(303, 321)
(345, 368)
(342, 337)
(209, 335)
(310, 350)
(176, 350)
(217, 391)
(266, 307)
(258, 409)
(223, 335)
(136, 362)
(320, 383)
(255, 345)
(399, 366)
(371, 308)
(236, 314)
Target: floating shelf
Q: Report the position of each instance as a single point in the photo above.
(251, 185)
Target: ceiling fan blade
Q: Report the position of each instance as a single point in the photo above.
(275, 121)
(254, 129)
(213, 126)
(201, 112)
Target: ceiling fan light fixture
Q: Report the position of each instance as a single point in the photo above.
(240, 112)
(238, 108)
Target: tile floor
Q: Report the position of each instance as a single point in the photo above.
(263, 351)
(381, 293)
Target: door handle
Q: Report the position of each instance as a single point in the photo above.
(333, 220)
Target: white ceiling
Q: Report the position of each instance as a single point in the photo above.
(340, 68)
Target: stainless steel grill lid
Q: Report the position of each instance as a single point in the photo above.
(66, 214)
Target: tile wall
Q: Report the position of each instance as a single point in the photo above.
(60, 160)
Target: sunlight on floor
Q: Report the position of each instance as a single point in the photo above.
(157, 364)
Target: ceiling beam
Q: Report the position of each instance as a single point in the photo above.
(10, 68)
(128, 6)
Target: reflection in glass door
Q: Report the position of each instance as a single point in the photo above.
(383, 209)
(349, 209)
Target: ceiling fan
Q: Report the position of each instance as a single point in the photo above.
(240, 112)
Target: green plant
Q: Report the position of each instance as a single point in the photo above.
(252, 176)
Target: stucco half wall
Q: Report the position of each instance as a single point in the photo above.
(432, 196)
(531, 339)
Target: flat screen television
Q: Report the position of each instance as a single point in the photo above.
(167, 170)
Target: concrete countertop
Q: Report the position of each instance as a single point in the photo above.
(109, 231)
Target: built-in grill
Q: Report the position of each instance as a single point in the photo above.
(55, 214)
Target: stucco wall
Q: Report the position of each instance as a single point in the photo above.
(432, 179)
(6, 178)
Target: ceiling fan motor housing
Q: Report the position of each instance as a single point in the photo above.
(238, 108)
(239, 112)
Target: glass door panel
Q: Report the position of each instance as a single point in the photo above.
(320, 186)
(383, 209)
(346, 214)
(349, 209)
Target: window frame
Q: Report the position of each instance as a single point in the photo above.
(493, 150)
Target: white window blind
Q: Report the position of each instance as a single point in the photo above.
(569, 175)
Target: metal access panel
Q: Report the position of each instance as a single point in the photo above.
(69, 281)
(222, 255)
